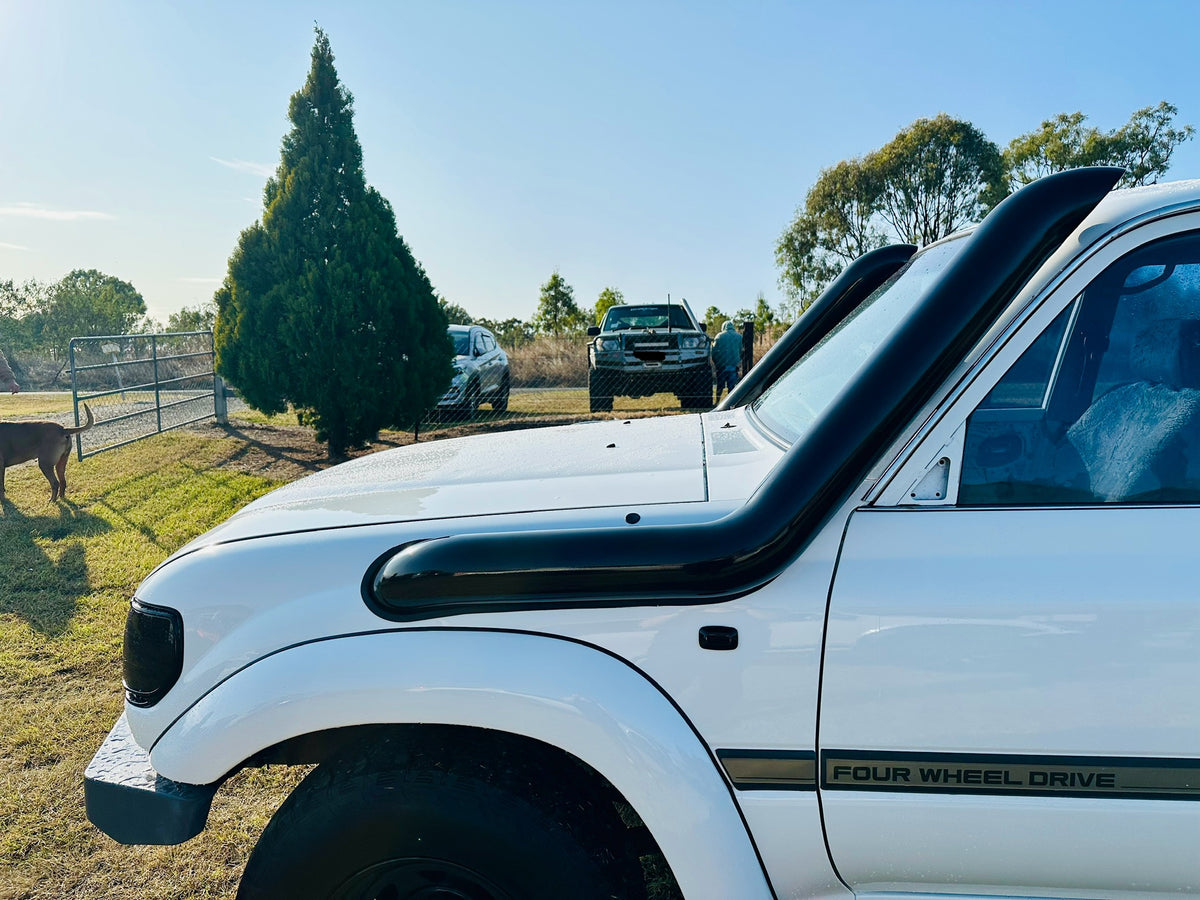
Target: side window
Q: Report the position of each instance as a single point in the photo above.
(1025, 385)
(488, 344)
(1104, 407)
(480, 347)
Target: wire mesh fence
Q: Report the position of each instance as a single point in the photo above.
(545, 379)
(548, 378)
(137, 385)
(141, 384)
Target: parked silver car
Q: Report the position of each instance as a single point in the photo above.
(480, 373)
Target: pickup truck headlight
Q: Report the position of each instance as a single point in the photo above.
(153, 652)
(693, 342)
(608, 344)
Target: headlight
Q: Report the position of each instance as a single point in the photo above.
(153, 654)
(608, 344)
(693, 342)
(459, 377)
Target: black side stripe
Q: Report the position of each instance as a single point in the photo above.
(770, 770)
(1011, 775)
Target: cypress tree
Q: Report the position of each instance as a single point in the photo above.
(324, 307)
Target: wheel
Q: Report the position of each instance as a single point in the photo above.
(362, 829)
(500, 404)
(600, 392)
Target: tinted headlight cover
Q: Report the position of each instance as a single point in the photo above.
(153, 652)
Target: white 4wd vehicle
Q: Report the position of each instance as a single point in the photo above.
(921, 620)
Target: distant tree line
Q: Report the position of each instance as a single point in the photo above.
(559, 315)
(41, 318)
(939, 175)
(38, 319)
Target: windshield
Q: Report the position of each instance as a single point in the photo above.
(624, 317)
(462, 343)
(789, 407)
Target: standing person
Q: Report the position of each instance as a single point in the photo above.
(6, 375)
(726, 353)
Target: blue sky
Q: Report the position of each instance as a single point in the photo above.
(654, 147)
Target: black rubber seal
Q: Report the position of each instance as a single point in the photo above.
(856, 282)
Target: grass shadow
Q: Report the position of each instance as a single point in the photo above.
(279, 453)
(42, 584)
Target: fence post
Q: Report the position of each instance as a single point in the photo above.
(75, 398)
(157, 386)
(220, 406)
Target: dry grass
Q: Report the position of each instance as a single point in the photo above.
(550, 362)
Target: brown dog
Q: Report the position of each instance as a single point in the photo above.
(47, 442)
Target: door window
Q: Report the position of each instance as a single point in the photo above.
(1104, 407)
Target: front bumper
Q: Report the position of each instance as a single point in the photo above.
(454, 396)
(132, 803)
(642, 379)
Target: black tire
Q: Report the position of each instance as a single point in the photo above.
(362, 828)
(600, 392)
(500, 404)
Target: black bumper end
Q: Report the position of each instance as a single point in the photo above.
(133, 804)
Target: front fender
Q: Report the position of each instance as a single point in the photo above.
(564, 693)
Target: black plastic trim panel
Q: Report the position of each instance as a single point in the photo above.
(856, 282)
(770, 770)
(715, 561)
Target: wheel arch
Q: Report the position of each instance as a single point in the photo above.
(597, 711)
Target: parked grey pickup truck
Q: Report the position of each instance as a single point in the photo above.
(646, 349)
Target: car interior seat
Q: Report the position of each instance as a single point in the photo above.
(1140, 440)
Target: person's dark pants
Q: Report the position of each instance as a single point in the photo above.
(726, 377)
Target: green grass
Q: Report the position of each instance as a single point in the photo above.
(25, 405)
(68, 571)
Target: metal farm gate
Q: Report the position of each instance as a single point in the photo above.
(142, 384)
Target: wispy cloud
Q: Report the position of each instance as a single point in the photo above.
(250, 168)
(4, 246)
(37, 211)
